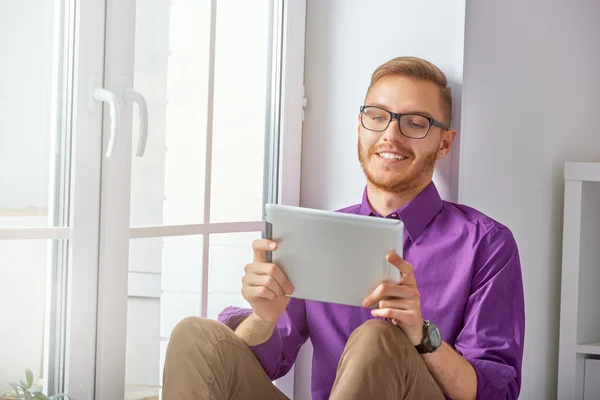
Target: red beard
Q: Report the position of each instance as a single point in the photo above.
(403, 180)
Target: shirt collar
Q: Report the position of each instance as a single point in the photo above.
(416, 214)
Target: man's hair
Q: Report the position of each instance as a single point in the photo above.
(419, 69)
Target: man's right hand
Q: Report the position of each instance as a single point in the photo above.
(264, 285)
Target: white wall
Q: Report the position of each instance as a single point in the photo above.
(345, 41)
(531, 99)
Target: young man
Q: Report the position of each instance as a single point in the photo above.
(453, 327)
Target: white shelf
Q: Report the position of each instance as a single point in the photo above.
(580, 299)
(588, 348)
(582, 171)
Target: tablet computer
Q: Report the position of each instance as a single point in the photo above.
(332, 256)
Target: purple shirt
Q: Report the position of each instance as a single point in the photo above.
(468, 273)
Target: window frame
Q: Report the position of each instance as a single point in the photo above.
(282, 180)
(74, 200)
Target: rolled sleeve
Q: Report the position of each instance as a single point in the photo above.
(494, 328)
(494, 379)
(278, 354)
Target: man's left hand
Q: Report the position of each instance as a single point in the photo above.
(400, 303)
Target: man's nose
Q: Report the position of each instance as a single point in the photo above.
(392, 133)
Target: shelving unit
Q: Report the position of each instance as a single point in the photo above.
(588, 348)
(580, 289)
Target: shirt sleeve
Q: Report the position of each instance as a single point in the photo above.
(278, 354)
(494, 322)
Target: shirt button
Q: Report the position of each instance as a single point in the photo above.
(394, 215)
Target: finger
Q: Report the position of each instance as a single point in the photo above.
(402, 317)
(390, 291)
(263, 280)
(271, 270)
(253, 293)
(407, 271)
(260, 246)
(400, 304)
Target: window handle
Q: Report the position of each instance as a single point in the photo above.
(138, 98)
(97, 93)
(115, 118)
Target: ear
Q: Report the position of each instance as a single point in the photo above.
(446, 143)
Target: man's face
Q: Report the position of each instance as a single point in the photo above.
(414, 169)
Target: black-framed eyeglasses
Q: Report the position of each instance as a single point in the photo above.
(415, 126)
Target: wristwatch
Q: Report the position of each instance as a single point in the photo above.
(432, 339)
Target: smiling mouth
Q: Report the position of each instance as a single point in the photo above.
(391, 156)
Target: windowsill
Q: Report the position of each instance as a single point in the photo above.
(133, 392)
(23, 212)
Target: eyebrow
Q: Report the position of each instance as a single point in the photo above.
(421, 112)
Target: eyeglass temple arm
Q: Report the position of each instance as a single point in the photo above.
(439, 124)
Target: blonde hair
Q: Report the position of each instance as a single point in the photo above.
(419, 69)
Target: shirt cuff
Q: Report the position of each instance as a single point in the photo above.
(267, 352)
(234, 316)
(493, 380)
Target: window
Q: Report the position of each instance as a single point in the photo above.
(131, 199)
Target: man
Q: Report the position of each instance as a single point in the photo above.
(461, 279)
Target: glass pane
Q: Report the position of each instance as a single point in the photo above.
(228, 255)
(242, 77)
(172, 72)
(35, 177)
(142, 374)
(29, 108)
(165, 284)
(24, 298)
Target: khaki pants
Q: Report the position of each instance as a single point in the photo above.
(206, 360)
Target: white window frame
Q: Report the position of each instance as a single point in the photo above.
(97, 276)
(115, 282)
(88, 48)
(78, 53)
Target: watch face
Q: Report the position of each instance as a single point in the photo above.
(433, 332)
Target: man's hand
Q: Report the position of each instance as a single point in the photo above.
(399, 303)
(264, 285)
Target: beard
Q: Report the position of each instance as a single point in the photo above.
(403, 180)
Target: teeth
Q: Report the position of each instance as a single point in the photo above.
(391, 156)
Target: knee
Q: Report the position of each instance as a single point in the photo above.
(377, 333)
(198, 328)
(375, 326)
(190, 325)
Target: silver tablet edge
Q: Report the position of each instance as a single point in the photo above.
(268, 234)
(317, 213)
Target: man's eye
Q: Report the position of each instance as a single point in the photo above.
(417, 126)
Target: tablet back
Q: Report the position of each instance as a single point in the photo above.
(331, 256)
